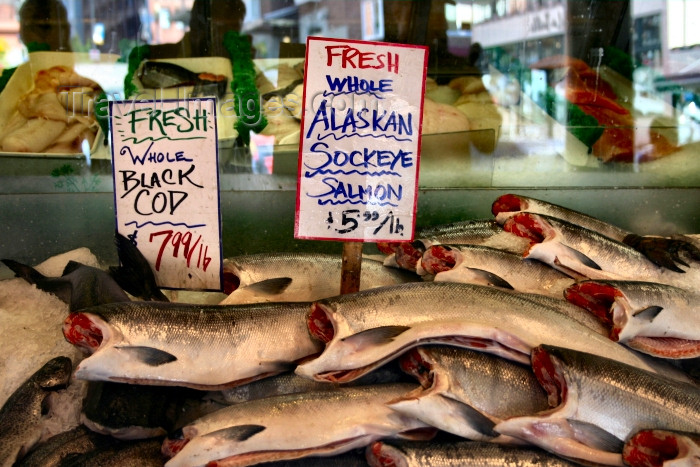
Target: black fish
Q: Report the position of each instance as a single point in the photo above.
(21, 418)
(157, 75)
(54, 450)
(80, 286)
(145, 453)
(134, 274)
(128, 411)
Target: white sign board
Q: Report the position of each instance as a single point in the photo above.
(166, 187)
(360, 142)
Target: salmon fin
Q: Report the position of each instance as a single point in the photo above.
(149, 355)
(271, 286)
(491, 278)
(377, 336)
(648, 313)
(585, 260)
(236, 433)
(71, 267)
(134, 273)
(472, 417)
(23, 271)
(596, 437)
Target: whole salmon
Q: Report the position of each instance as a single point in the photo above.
(294, 426)
(657, 319)
(298, 277)
(197, 346)
(476, 264)
(598, 403)
(458, 396)
(587, 254)
(366, 329)
(664, 252)
(459, 454)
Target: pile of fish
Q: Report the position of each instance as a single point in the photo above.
(539, 337)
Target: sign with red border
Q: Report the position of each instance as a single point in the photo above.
(166, 187)
(359, 151)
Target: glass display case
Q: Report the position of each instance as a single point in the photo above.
(587, 104)
(591, 105)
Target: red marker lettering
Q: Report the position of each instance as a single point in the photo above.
(351, 57)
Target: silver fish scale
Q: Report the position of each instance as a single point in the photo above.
(470, 453)
(473, 376)
(312, 405)
(622, 399)
(473, 232)
(300, 265)
(186, 324)
(410, 304)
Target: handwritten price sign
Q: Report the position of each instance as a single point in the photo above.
(358, 160)
(166, 187)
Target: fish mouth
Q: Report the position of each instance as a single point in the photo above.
(85, 331)
(439, 258)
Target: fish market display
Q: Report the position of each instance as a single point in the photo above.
(294, 426)
(598, 403)
(466, 392)
(22, 415)
(665, 252)
(298, 277)
(56, 116)
(658, 448)
(458, 454)
(658, 319)
(366, 329)
(476, 264)
(202, 347)
(586, 254)
(529, 368)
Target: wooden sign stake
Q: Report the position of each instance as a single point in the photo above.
(351, 267)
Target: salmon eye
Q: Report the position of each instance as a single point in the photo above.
(319, 324)
(81, 331)
(231, 282)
